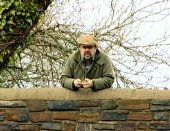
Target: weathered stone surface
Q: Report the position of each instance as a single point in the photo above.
(102, 130)
(140, 116)
(90, 114)
(89, 117)
(63, 105)
(41, 116)
(104, 126)
(65, 115)
(5, 128)
(156, 125)
(134, 104)
(83, 127)
(90, 109)
(126, 126)
(68, 126)
(9, 126)
(161, 116)
(109, 104)
(114, 115)
(160, 102)
(2, 118)
(165, 127)
(12, 104)
(51, 126)
(36, 105)
(160, 108)
(17, 114)
(89, 103)
(142, 126)
(65, 94)
(29, 127)
(2, 115)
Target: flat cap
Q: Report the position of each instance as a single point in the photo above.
(87, 39)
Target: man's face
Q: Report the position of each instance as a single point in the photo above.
(87, 51)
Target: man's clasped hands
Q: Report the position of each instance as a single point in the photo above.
(87, 83)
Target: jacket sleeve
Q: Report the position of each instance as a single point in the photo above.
(67, 75)
(107, 78)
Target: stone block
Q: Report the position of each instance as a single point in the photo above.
(89, 103)
(109, 104)
(142, 126)
(63, 105)
(90, 114)
(17, 114)
(2, 115)
(160, 108)
(134, 104)
(126, 126)
(36, 105)
(108, 115)
(51, 126)
(13, 104)
(41, 116)
(140, 116)
(68, 126)
(9, 126)
(83, 127)
(65, 115)
(29, 127)
(160, 102)
(162, 116)
(156, 125)
(104, 126)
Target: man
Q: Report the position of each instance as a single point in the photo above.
(88, 67)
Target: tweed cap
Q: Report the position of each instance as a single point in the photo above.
(86, 40)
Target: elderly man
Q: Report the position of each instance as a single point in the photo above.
(88, 67)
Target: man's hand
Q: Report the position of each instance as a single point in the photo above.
(87, 83)
(77, 83)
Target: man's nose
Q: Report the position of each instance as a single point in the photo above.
(87, 49)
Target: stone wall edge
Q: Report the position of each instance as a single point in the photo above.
(82, 94)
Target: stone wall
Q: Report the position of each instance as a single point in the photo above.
(50, 109)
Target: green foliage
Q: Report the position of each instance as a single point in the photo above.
(17, 19)
(16, 16)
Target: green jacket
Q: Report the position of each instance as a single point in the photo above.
(101, 71)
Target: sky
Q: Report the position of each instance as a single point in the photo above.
(91, 14)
